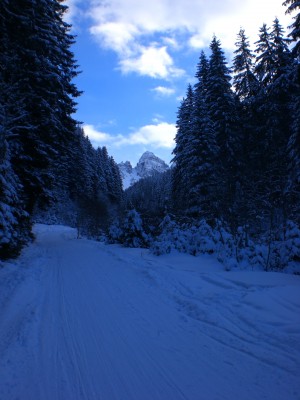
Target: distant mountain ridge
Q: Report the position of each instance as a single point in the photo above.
(148, 165)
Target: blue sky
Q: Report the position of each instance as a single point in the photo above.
(138, 56)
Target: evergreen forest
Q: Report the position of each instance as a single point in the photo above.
(49, 171)
(234, 185)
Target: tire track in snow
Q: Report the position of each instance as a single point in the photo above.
(110, 324)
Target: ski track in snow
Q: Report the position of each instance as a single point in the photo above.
(80, 320)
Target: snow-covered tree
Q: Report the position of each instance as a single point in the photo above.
(44, 71)
(294, 142)
(180, 160)
(36, 71)
(292, 6)
(133, 234)
(244, 80)
(222, 111)
(202, 149)
(14, 220)
(264, 67)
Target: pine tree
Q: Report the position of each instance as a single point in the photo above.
(264, 60)
(117, 186)
(276, 62)
(283, 59)
(244, 80)
(180, 175)
(294, 5)
(201, 85)
(37, 94)
(202, 149)
(14, 221)
(44, 70)
(294, 142)
(247, 89)
(222, 111)
(133, 234)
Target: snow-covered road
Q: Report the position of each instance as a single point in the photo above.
(80, 320)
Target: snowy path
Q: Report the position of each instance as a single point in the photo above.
(81, 320)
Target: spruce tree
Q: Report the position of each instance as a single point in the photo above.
(37, 91)
(294, 141)
(222, 111)
(44, 70)
(274, 66)
(264, 60)
(244, 80)
(180, 176)
(14, 221)
(247, 88)
(116, 183)
(294, 5)
(202, 149)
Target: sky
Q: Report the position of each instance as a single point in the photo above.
(137, 57)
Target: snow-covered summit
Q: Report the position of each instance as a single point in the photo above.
(148, 164)
(125, 167)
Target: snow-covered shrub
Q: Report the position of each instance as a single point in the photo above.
(133, 234)
(115, 232)
(293, 241)
(201, 239)
(225, 247)
(254, 255)
(193, 239)
(164, 242)
(281, 252)
(160, 246)
(233, 250)
(171, 236)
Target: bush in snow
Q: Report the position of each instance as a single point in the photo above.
(133, 234)
(200, 239)
(192, 239)
(115, 232)
(293, 241)
(165, 241)
(285, 248)
(233, 249)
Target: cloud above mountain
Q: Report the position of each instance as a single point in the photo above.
(146, 34)
(157, 135)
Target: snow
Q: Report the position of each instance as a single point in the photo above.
(150, 163)
(83, 320)
(147, 165)
(129, 178)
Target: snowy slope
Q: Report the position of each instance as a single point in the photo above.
(84, 321)
(148, 165)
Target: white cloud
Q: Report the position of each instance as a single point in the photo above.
(197, 41)
(151, 61)
(115, 36)
(163, 91)
(97, 136)
(171, 42)
(159, 135)
(129, 27)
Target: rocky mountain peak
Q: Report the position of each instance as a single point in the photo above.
(148, 165)
(126, 166)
